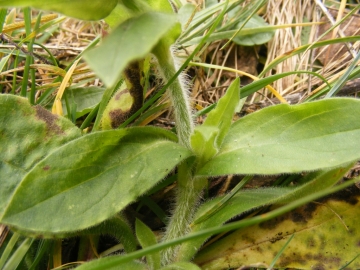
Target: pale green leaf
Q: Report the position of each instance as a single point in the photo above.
(255, 38)
(91, 179)
(81, 9)
(185, 13)
(27, 135)
(129, 41)
(85, 98)
(287, 139)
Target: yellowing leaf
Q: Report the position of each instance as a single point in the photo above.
(327, 236)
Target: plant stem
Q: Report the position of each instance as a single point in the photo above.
(178, 93)
(188, 190)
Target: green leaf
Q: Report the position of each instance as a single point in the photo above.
(117, 260)
(118, 15)
(316, 181)
(97, 264)
(259, 84)
(248, 199)
(160, 5)
(181, 266)
(246, 33)
(207, 138)
(244, 200)
(27, 135)
(85, 98)
(131, 40)
(185, 13)
(222, 115)
(326, 237)
(81, 9)
(146, 239)
(203, 143)
(256, 38)
(91, 179)
(18, 256)
(287, 139)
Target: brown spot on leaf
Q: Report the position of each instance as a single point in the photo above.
(272, 223)
(46, 168)
(319, 266)
(275, 239)
(117, 117)
(349, 195)
(297, 217)
(49, 119)
(310, 243)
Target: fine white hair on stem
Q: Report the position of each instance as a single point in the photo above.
(179, 95)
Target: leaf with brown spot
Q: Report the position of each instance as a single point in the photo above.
(327, 236)
(91, 179)
(27, 135)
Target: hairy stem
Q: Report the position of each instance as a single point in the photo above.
(188, 190)
(178, 93)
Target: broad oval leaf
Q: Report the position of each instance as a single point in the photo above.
(81, 9)
(326, 237)
(129, 41)
(27, 135)
(287, 139)
(92, 178)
